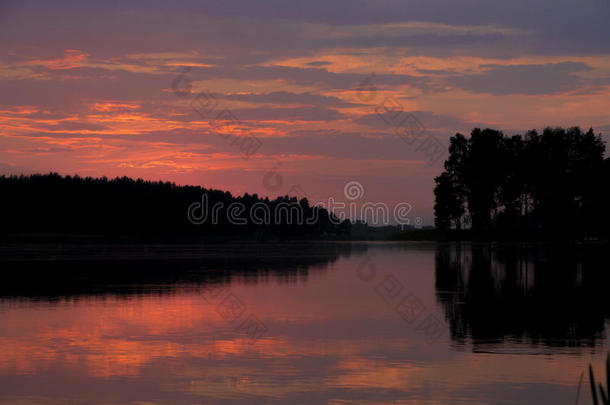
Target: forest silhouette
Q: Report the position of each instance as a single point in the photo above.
(549, 185)
(55, 204)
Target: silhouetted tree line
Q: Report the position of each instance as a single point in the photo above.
(554, 183)
(123, 206)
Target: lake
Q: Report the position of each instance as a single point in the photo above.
(302, 323)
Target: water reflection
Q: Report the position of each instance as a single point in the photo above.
(68, 271)
(552, 295)
(78, 325)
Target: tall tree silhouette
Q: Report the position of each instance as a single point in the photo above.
(555, 182)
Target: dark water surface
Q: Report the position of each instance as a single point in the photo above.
(319, 323)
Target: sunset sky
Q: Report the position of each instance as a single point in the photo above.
(95, 88)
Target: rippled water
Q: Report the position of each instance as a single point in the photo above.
(326, 323)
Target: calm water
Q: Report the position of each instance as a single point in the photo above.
(301, 324)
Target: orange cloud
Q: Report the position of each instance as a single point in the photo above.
(72, 59)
